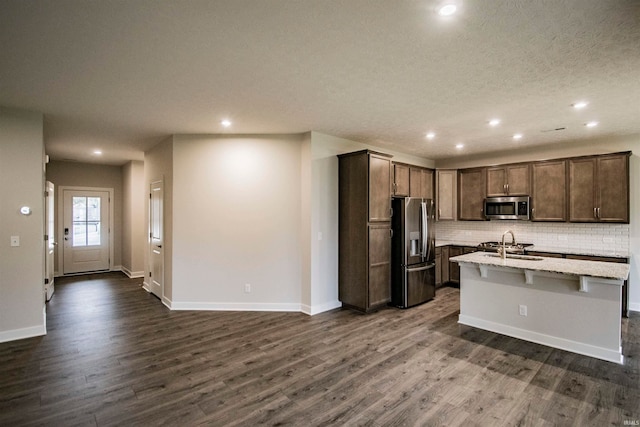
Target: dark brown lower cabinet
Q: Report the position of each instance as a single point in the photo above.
(454, 268)
(379, 292)
(438, 267)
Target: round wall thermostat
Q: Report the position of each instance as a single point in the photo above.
(25, 210)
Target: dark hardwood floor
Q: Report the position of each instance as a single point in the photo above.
(114, 355)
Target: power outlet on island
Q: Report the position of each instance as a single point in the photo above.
(522, 309)
(247, 287)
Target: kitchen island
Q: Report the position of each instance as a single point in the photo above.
(573, 305)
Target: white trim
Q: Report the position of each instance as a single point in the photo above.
(60, 221)
(548, 340)
(132, 274)
(146, 287)
(167, 302)
(320, 308)
(22, 333)
(231, 306)
(634, 306)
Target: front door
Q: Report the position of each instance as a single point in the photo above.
(50, 240)
(85, 231)
(156, 252)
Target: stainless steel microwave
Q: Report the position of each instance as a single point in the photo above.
(508, 207)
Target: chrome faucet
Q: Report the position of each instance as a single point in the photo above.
(503, 250)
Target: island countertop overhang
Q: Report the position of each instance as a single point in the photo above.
(600, 269)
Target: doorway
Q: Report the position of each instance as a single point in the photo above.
(156, 238)
(86, 230)
(50, 242)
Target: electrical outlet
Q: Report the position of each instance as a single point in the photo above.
(523, 310)
(247, 287)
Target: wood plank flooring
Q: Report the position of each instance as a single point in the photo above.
(114, 355)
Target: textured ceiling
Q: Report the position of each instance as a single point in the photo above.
(121, 75)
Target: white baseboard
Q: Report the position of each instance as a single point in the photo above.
(146, 286)
(634, 306)
(19, 334)
(548, 340)
(132, 274)
(167, 302)
(231, 306)
(320, 308)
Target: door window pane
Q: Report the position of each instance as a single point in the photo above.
(86, 221)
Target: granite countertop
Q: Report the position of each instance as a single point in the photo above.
(540, 248)
(607, 270)
(470, 243)
(579, 251)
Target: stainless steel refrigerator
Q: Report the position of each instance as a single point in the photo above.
(413, 267)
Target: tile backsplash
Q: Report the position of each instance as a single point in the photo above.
(601, 237)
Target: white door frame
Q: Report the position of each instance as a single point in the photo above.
(149, 285)
(60, 222)
(50, 243)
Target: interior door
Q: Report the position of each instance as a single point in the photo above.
(86, 231)
(50, 242)
(156, 238)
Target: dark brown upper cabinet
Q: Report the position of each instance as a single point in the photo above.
(508, 180)
(599, 188)
(472, 188)
(549, 190)
(379, 187)
(421, 182)
(400, 180)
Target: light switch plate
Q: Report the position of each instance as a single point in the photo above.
(15, 240)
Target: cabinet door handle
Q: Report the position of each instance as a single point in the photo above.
(391, 233)
(439, 213)
(598, 213)
(595, 213)
(507, 188)
(533, 211)
(391, 212)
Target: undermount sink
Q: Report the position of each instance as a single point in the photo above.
(522, 257)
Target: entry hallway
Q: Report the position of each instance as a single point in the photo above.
(114, 355)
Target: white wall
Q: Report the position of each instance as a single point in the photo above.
(306, 239)
(236, 221)
(158, 166)
(133, 214)
(581, 148)
(21, 184)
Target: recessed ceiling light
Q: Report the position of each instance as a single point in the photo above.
(494, 122)
(459, 146)
(591, 124)
(579, 105)
(226, 123)
(517, 136)
(447, 10)
(431, 135)
(97, 152)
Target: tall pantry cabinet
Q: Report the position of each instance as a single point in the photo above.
(364, 270)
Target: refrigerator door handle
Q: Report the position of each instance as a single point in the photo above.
(411, 270)
(425, 231)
